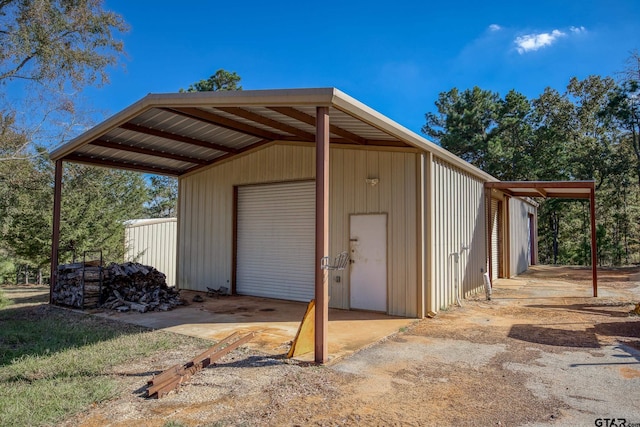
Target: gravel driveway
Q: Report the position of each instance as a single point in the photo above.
(541, 352)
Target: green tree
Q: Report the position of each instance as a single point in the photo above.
(510, 141)
(58, 42)
(588, 132)
(222, 80)
(49, 51)
(95, 204)
(594, 136)
(463, 124)
(624, 107)
(163, 192)
(551, 119)
(26, 202)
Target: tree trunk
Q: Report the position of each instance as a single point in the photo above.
(555, 228)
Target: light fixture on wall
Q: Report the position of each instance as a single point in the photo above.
(372, 181)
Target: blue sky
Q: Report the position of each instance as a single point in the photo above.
(395, 57)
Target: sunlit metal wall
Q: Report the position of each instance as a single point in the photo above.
(396, 195)
(458, 233)
(520, 234)
(206, 213)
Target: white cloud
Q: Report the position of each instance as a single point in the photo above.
(494, 27)
(578, 30)
(533, 42)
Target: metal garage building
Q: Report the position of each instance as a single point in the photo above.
(272, 181)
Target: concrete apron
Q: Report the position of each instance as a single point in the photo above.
(275, 321)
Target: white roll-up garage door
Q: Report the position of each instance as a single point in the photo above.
(276, 240)
(495, 239)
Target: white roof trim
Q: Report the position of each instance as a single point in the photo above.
(147, 221)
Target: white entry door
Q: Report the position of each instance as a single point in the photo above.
(368, 251)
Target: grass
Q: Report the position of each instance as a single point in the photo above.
(4, 301)
(54, 363)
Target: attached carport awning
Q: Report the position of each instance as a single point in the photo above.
(180, 133)
(174, 134)
(561, 190)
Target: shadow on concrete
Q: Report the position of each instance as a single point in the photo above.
(619, 329)
(554, 336)
(610, 309)
(587, 338)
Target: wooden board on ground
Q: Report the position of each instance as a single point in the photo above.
(170, 379)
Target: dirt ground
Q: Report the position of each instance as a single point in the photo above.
(541, 352)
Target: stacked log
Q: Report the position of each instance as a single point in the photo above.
(122, 287)
(78, 285)
(133, 286)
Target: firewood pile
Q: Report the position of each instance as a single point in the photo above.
(69, 286)
(121, 287)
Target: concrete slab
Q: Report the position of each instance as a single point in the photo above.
(276, 322)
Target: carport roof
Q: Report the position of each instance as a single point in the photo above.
(177, 133)
(546, 189)
(561, 190)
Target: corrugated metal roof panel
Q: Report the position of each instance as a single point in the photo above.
(133, 158)
(249, 121)
(192, 128)
(162, 145)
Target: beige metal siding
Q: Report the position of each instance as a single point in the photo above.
(495, 224)
(395, 194)
(519, 211)
(458, 221)
(153, 242)
(206, 213)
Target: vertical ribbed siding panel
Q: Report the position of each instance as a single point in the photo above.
(395, 195)
(495, 239)
(458, 213)
(428, 235)
(436, 286)
(519, 211)
(373, 171)
(344, 175)
(338, 243)
(359, 166)
(397, 242)
(153, 242)
(411, 231)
